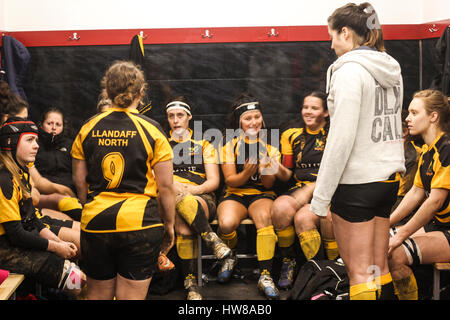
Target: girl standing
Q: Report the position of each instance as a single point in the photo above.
(358, 174)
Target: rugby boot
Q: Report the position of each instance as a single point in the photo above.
(287, 273)
(221, 250)
(190, 284)
(226, 269)
(267, 286)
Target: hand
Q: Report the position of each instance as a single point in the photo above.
(66, 250)
(394, 242)
(268, 165)
(64, 190)
(168, 239)
(250, 167)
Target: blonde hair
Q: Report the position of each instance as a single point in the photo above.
(6, 161)
(363, 20)
(436, 101)
(124, 81)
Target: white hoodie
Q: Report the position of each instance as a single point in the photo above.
(364, 143)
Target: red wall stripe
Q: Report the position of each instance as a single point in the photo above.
(216, 35)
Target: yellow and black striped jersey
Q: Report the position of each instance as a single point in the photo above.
(434, 173)
(237, 151)
(306, 147)
(190, 157)
(13, 205)
(120, 147)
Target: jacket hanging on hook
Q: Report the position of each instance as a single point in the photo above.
(15, 60)
(137, 50)
(442, 79)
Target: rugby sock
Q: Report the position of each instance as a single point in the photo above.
(406, 288)
(192, 212)
(386, 289)
(331, 248)
(266, 240)
(71, 206)
(187, 251)
(229, 239)
(311, 244)
(363, 291)
(286, 239)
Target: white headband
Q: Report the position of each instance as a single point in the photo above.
(178, 105)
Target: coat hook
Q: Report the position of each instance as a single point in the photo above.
(433, 28)
(272, 33)
(142, 35)
(207, 34)
(74, 37)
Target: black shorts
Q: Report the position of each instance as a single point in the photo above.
(247, 200)
(55, 224)
(43, 266)
(433, 226)
(132, 254)
(363, 202)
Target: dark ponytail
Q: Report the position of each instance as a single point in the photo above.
(363, 20)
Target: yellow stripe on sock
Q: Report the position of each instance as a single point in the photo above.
(229, 239)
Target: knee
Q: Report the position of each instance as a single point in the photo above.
(227, 224)
(304, 221)
(397, 259)
(282, 212)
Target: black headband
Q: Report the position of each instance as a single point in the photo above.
(241, 109)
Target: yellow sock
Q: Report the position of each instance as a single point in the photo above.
(266, 240)
(310, 242)
(186, 247)
(187, 208)
(363, 291)
(286, 237)
(406, 288)
(229, 239)
(331, 248)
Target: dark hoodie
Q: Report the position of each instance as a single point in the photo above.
(53, 159)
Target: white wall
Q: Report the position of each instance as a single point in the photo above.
(2, 15)
(436, 10)
(40, 15)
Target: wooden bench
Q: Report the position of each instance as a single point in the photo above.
(437, 268)
(9, 286)
(200, 256)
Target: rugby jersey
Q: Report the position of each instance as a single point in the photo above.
(434, 173)
(307, 148)
(237, 151)
(190, 157)
(13, 205)
(120, 147)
